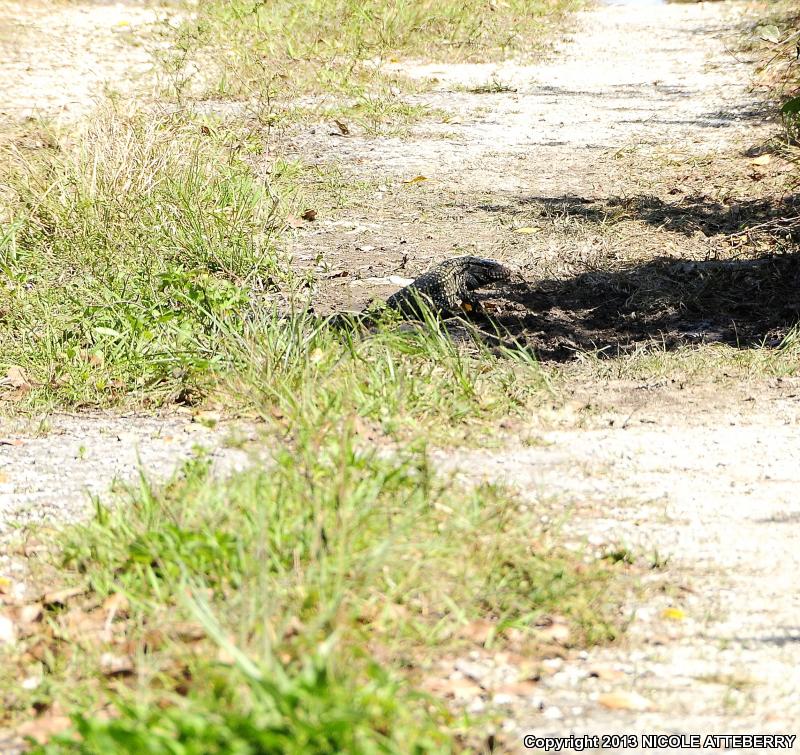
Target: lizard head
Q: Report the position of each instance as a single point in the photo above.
(483, 270)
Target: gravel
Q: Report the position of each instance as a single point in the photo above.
(49, 471)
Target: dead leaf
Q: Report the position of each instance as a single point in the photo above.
(60, 597)
(309, 214)
(153, 640)
(624, 701)
(675, 614)
(33, 547)
(526, 229)
(115, 605)
(40, 651)
(116, 665)
(44, 727)
(18, 383)
(416, 180)
(344, 130)
(479, 631)
(293, 221)
(764, 159)
(83, 626)
(187, 631)
(15, 378)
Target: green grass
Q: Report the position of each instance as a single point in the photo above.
(125, 251)
(324, 586)
(258, 50)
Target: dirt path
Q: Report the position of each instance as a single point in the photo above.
(708, 493)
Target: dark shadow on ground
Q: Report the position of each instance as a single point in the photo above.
(665, 302)
(791, 636)
(687, 214)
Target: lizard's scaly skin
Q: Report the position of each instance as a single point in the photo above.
(444, 287)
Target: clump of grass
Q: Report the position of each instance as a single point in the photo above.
(493, 86)
(400, 380)
(311, 711)
(237, 48)
(122, 253)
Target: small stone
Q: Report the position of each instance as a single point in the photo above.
(476, 706)
(30, 613)
(502, 698)
(8, 631)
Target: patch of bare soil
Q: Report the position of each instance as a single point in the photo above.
(631, 178)
(57, 58)
(50, 471)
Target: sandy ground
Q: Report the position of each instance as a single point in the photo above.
(701, 478)
(58, 59)
(50, 470)
(709, 489)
